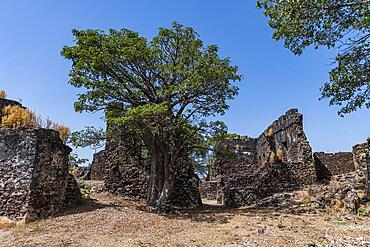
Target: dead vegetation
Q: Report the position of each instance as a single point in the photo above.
(15, 116)
(3, 94)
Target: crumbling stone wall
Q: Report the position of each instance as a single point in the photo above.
(97, 166)
(34, 178)
(361, 154)
(234, 166)
(126, 172)
(284, 140)
(279, 160)
(329, 164)
(211, 190)
(360, 157)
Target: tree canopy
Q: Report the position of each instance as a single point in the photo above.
(343, 24)
(165, 88)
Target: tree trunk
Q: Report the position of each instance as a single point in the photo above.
(164, 200)
(162, 177)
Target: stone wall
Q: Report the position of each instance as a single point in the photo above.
(234, 166)
(361, 153)
(126, 172)
(280, 159)
(329, 164)
(97, 166)
(360, 157)
(284, 140)
(34, 178)
(211, 190)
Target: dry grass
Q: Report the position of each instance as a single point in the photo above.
(280, 154)
(269, 132)
(6, 224)
(272, 157)
(16, 116)
(3, 94)
(336, 206)
(63, 131)
(304, 197)
(114, 221)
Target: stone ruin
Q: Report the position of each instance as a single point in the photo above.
(280, 160)
(35, 182)
(34, 178)
(126, 173)
(331, 164)
(97, 166)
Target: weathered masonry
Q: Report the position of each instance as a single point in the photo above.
(34, 178)
(280, 160)
(331, 164)
(126, 173)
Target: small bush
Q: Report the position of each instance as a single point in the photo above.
(363, 211)
(63, 131)
(279, 154)
(272, 157)
(269, 133)
(17, 116)
(304, 197)
(3, 94)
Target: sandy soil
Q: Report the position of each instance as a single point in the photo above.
(108, 220)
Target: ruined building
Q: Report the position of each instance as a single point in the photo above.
(126, 173)
(34, 178)
(279, 160)
(97, 166)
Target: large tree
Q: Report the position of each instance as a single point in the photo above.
(343, 24)
(165, 89)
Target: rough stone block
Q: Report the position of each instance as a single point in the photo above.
(329, 164)
(34, 178)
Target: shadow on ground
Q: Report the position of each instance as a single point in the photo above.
(85, 205)
(217, 213)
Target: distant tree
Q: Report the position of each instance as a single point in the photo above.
(332, 23)
(76, 161)
(164, 89)
(88, 137)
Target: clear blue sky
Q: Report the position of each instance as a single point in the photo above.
(33, 33)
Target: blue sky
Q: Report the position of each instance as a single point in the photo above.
(31, 68)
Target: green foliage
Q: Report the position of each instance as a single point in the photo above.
(162, 90)
(86, 192)
(168, 85)
(363, 212)
(88, 137)
(332, 23)
(211, 144)
(75, 161)
(123, 68)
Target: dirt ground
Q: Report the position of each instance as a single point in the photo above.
(107, 220)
